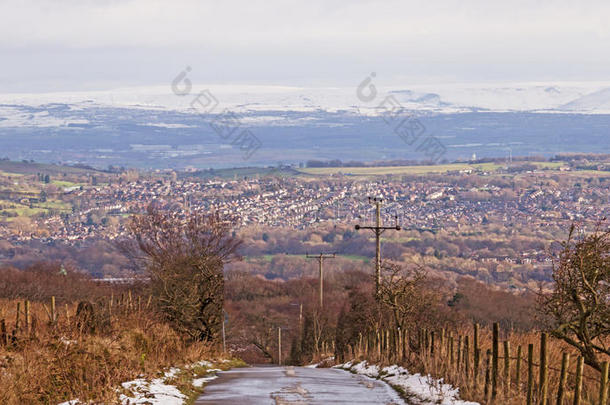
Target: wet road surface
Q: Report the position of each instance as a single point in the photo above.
(295, 385)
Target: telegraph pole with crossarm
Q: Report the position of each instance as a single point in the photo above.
(378, 229)
(321, 257)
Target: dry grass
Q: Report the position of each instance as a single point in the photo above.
(77, 358)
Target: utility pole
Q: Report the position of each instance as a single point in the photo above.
(279, 345)
(224, 340)
(301, 317)
(378, 229)
(321, 257)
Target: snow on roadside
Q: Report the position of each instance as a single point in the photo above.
(199, 382)
(418, 388)
(152, 392)
(324, 361)
(160, 391)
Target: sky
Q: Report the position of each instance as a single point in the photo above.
(78, 45)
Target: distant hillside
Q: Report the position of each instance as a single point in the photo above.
(9, 166)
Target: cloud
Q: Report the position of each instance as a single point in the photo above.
(397, 36)
(286, 22)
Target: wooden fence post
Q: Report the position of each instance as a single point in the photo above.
(603, 384)
(518, 369)
(476, 352)
(3, 333)
(543, 369)
(475, 379)
(386, 343)
(467, 356)
(578, 383)
(565, 363)
(506, 368)
(488, 377)
(17, 318)
(447, 348)
(530, 374)
(451, 353)
(426, 337)
(27, 316)
(53, 313)
(459, 354)
(494, 361)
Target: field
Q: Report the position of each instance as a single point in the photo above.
(22, 186)
(241, 172)
(8, 167)
(12, 208)
(416, 170)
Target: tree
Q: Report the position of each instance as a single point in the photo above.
(185, 257)
(402, 291)
(578, 307)
(359, 315)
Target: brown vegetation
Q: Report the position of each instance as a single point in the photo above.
(84, 354)
(185, 258)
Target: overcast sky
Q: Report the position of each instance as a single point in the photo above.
(101, 44)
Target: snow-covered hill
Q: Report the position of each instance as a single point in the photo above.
(590, 98)
(595, 102)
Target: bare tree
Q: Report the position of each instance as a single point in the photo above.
(578, 307)
(403, 291)
(184, 257)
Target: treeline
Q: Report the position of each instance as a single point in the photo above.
(257, 307)
(43, 280)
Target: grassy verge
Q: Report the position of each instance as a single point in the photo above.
(187, 379)
(89, 357)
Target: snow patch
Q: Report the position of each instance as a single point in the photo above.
(198, 382)
(152, 392)
(158, 391)
(421, 389)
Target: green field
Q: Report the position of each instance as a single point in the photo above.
(62, 183)
(415, 170)
(9, 174)
(26, 210)
(241, 172)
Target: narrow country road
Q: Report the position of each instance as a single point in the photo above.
(296, 385)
